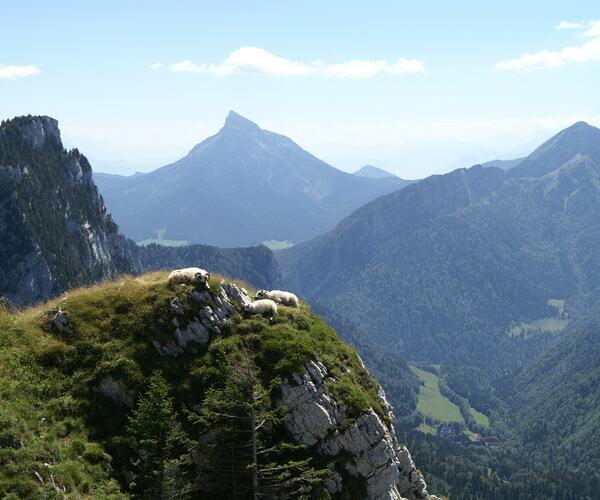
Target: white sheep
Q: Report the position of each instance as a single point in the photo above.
(266, 307)
(279, 296)
(189, 276)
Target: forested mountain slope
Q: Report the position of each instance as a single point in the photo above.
(460, 258)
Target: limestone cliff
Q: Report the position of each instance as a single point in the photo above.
(55, 231)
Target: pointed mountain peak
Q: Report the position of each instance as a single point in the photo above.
(373, 172)
(579, 138)
(237, 122)
(580, 126)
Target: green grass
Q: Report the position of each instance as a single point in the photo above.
(479, 417)
(278, 244)
(471, 435)
(427, 429)
(431, 402)
(51, 414)
(543, 325)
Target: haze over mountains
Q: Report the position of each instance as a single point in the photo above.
(475, 247)
(242, 186)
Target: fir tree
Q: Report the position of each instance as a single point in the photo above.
(159, 443)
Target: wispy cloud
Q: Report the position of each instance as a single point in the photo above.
(568, 25)
(254, 60)
(14, 72)
(545, 59)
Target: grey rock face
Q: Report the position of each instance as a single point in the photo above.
(311, 412)
(33, 279)
(313, 418)
(60, 323)
(38, 129)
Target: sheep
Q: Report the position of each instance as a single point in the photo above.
(265, 307)
(279, 296)
(189, 276)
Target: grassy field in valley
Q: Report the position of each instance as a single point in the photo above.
(479, 417)
(432, 403)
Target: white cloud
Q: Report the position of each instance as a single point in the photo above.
(254, 60)
(568, 25)
(14, 72)
(594, 29)
(544, 59)
(156, 66)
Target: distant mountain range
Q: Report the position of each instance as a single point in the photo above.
(476, 250)
(242, 186)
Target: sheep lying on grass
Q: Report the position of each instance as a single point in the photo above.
(189, 276)
(265, 307)
(280, 297)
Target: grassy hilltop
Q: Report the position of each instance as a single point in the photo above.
(61, 436)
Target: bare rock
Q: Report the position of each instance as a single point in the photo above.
(236, 294)
(310, 412)
(60, 323)
(313, 417)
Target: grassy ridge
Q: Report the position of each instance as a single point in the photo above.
(57, 433)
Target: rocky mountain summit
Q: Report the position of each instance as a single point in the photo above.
(242, 186)
(55, 231)
(319, 415)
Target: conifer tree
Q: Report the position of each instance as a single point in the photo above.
(159, 442)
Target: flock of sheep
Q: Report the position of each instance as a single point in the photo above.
(265, 302)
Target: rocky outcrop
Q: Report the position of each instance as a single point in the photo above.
(237, 294)
(38, 129)
(314, 418)
(60, 323)
(206, 321)
(311, 412)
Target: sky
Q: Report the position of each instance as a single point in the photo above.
(417, 88)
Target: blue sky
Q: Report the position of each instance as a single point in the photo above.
(415, 87)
